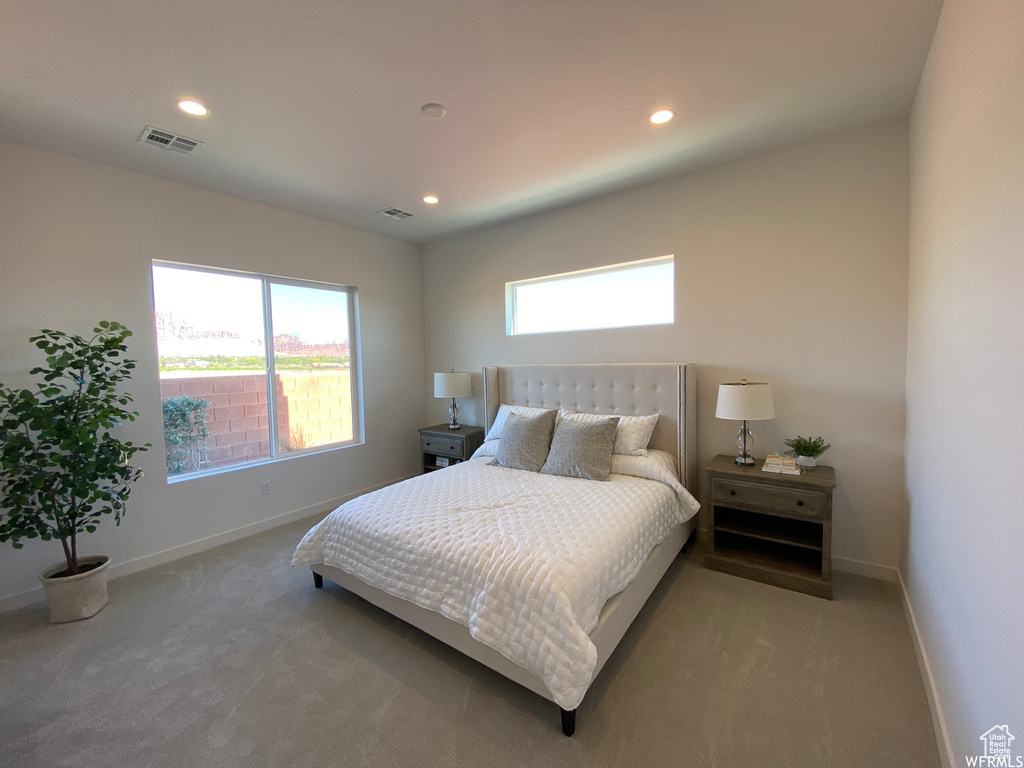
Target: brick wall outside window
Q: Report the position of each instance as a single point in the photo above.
(313, 408)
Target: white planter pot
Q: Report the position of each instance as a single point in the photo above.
(806, 461)
(72, 598)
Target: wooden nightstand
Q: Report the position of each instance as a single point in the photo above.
(771, 528)
(452, 446)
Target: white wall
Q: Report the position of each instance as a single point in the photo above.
(76, 240)
(791, 267)
(964, 569)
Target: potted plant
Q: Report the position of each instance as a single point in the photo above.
(807, 449)
(61, 466)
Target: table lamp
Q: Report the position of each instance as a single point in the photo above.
(452, 385)
(745, 401)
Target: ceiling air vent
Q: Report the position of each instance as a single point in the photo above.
(171, 141)
(396, 213)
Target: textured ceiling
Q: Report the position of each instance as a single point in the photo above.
(315, 104)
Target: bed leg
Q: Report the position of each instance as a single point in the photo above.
(318, 580)
(568, 721)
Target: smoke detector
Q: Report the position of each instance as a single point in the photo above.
(396, 213)
(154, 137)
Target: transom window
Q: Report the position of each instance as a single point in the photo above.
(617, 296)
(230, 398)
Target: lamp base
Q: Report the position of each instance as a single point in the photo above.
(453, 412)
(745, 441)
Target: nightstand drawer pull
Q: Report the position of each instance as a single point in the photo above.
(799, 503)
(732, 493)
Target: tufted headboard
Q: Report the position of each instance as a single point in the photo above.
(618, 389)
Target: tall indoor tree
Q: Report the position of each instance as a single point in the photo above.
(62, 466)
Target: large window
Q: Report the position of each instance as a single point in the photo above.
(230, 397)
(622, 295)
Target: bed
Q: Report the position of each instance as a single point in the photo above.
(536, 576)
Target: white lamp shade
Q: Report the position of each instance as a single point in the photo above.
(454, 384)
(743, 400)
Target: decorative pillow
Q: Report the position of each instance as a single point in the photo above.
(504, 410)
(632, 436)
(525, 441)
(582, 449)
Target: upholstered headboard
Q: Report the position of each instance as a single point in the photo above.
(619, 389)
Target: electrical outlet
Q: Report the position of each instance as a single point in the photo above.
(265, 487)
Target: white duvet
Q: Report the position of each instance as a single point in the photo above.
(525, 560)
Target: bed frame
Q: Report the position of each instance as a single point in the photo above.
(669, 390)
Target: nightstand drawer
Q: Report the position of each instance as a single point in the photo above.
(793, 502)
(441, 446)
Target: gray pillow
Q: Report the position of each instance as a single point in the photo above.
(582, 449)
(525, 441)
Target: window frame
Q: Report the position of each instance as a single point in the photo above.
(510, 293)
(271, 371)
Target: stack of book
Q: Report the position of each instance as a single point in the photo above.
(781, 465)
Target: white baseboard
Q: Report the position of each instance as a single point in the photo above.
(117, 570)
(930, 689)
(859, 567)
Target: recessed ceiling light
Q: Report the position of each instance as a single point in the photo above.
(431, 200)
(662, 116)
(193, 107)
(433, 110)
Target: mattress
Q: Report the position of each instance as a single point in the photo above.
(526, 561)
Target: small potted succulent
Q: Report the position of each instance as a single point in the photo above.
(61, 466)
(807, 449)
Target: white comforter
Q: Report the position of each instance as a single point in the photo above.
(525, 560)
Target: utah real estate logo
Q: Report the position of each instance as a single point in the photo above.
(997, 752)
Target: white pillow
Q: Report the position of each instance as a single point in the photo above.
(656, 465)
(632, 436)
(504, 410)
(488, 448)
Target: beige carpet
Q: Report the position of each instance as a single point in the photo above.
(231, 658)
